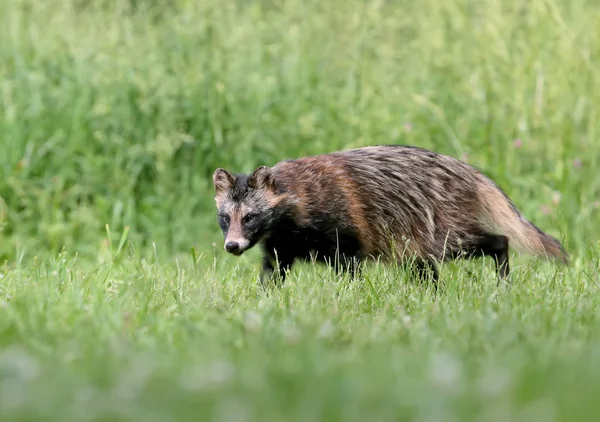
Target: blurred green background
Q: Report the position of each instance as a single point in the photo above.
(118, 112)
(115, 114)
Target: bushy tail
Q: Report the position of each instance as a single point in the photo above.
(502, 217)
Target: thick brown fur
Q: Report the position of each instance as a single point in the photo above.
(387, 202)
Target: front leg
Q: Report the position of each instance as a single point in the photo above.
(424, 267)
(268, 272)
(349, 265)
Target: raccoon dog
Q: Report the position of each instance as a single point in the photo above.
(388, 202)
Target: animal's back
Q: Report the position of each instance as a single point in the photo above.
(417, 200)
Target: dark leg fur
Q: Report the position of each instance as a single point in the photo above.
(500, 255)
(350, 265)
(495, 246)
(423, 267)
(268, 270)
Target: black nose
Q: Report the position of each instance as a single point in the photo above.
(232, 247)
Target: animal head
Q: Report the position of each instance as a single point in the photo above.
(245, 206)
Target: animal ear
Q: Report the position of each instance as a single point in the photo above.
(222, 180)
(262, 178)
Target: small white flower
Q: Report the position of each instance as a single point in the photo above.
(556, 198)
(326, 329)
(252, 321)
(291, 332)
(445, 370)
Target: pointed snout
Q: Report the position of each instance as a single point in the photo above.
(232, 247)
(237, 246)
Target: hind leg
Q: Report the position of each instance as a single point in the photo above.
(495, 246)
(500, 255)
(425, 266)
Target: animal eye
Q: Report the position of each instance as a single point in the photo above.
(225, 218)
(248, 218)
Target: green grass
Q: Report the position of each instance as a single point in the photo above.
(114, 115)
